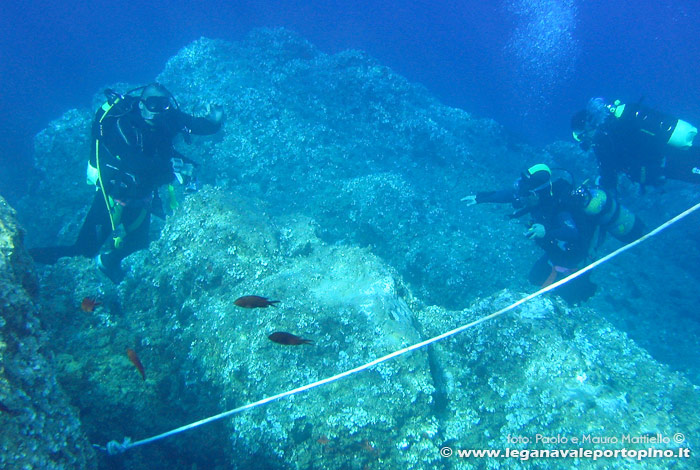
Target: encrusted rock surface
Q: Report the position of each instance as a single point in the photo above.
(38, 427)
(546, 368)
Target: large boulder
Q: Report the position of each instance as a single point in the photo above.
(373, 158)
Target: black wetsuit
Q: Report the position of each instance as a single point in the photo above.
(635, 144)
(568, 236)
(135, 158)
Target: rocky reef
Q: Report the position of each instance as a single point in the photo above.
(547, 369)
(335, 188)
(39, 428)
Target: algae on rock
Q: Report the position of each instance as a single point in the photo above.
(39, 428)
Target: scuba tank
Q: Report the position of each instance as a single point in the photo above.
(615, 218)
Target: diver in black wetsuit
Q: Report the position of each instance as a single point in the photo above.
(632, 139)
(558, 226)
(132, 156)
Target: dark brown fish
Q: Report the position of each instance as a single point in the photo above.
(134, 358)
(282, 337)
(255, 301)
(88, 304)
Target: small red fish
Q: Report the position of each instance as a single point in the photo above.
(282, 337)
(326, 447)
(88, 304)
(134, 358)
(255, 301)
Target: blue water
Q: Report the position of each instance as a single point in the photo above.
(527, 64)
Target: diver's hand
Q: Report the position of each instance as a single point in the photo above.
(181, 169)
(470, 200)
(535, 231)
(215, 113)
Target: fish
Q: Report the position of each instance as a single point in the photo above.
(254, 301)
(283, 337)
(325, 443)
(134, 358)
(88, 304)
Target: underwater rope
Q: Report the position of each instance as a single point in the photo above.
(114, 447)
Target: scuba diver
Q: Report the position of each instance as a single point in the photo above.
(132, 156)
(646, 145)
(563, 233)
(564, 223)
